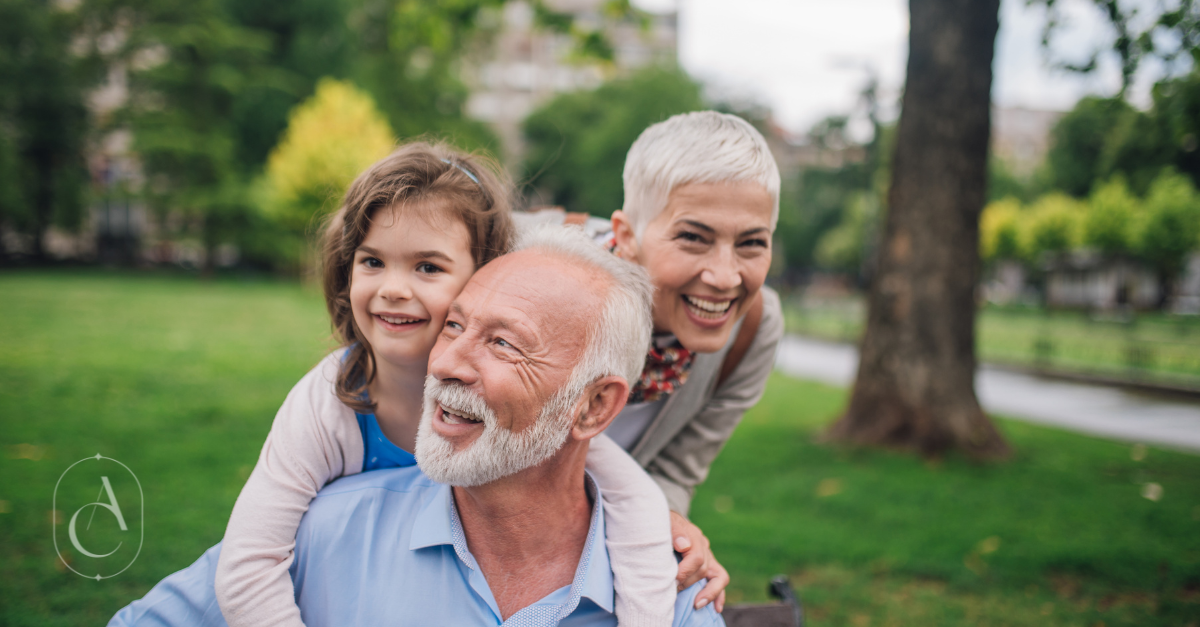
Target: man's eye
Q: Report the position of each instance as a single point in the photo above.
(450, 324)
(428, 268)
(503, 343)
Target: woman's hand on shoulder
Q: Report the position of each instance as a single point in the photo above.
(698, 563)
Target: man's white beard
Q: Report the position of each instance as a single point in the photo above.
(497, 452)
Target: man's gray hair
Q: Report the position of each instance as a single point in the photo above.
(699, 147)
(618, 340)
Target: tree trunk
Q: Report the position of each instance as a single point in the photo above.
(915, 388)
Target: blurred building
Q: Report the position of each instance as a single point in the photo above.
(524, 65)
(1089, 280)
(1021, 136)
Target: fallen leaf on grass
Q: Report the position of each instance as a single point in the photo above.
(829, 487)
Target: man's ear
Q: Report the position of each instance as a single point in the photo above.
(627, 245)
(601, 402)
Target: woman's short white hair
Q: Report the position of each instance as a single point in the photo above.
(618, 341)
(699, 147)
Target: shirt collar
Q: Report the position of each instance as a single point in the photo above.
(438, 524)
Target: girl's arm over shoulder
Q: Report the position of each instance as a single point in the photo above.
(638, 527)
(313, 440)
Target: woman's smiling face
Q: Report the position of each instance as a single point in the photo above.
(707, 253)
(406, 272)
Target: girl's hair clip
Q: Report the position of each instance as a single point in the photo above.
(464, 171)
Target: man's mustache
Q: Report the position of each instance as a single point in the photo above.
(459, 399)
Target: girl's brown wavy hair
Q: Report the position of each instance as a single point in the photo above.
(468, 188)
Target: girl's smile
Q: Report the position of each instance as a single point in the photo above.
(406, 272)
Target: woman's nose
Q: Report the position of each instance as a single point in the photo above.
(721, 270)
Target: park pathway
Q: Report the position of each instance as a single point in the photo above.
(1103, 411)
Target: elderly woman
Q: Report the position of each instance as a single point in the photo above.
(701, 203)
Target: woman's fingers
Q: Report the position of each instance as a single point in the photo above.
(693, 566)
(718, 578)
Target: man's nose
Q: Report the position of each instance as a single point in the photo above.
(721, 270)
(450, 359)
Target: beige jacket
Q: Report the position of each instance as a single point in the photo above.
(684, 438)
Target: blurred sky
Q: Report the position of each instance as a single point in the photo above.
(807, 59)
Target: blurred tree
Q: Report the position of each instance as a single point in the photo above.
(576, 143)
(189, 64)
(1078, 143)
(1170, 35)
(43, 121)
(1108, 225)
(1170, 228)
(847, 247)
(1054, 225)
(819, 198)
(915, 385)
(1000, 230)
(1004, 183)
(330, 139)
(408, 56)
(1177, 111)
(308, 39)
(814, 202)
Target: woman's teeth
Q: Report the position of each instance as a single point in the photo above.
(391, 320)
(711, 309)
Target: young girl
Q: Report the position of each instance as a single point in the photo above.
(412, 230)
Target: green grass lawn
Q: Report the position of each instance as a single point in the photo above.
(1148, 346)
(179, 379)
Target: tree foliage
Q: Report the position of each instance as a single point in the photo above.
(1109, 223)
(1171, 226)
(1170, 34)
(576, 143)
(1054, 226)
(1000, 231)
(330, 139)
(43, 122)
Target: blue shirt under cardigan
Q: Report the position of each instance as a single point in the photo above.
(387, 548)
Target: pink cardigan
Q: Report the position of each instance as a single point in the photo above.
(316, 439)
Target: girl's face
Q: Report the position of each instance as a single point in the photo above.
(405, 274)
(707, 253)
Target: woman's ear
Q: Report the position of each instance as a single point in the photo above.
(601, 402)
(627, 245)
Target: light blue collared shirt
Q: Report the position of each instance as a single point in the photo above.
(387, 547)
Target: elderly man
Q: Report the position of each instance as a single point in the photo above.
(533, 363)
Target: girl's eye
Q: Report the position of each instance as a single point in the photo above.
(428, 268)
(372, 262)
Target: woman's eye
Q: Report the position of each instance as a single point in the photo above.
(759, 243)
(428, 268)
(688, 236)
